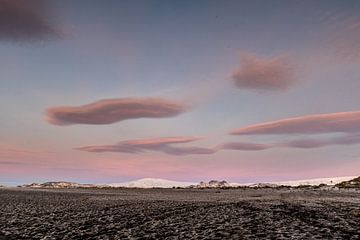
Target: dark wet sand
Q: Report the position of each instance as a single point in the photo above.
(179, 214)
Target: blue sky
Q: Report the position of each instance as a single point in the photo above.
(180, 51)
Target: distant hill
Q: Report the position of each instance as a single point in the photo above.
(331, 181)
(315, 181)
(59, 185)
(353, 183)
(151, 183)
(342, 182)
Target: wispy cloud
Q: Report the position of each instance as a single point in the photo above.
(305, 143)
(157, 144)
(115, 110)
(166, 145)
(316, 143)
(347, 42)
(187, 150)
(343, 39)
(244, 146)
(25, 21)
(264, 73)
(311, 124)
(11, 163)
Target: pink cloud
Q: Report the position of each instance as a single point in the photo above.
(187, 150)
(263, 73)
(316, 143)
(10, 163)
(244, 146)
(311, 124)
(8, 153)
(344, 40)
(24, 21)
(114, 110)
(165, 145)
(162, 141)
(157, 144)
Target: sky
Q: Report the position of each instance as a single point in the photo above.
(243, 91)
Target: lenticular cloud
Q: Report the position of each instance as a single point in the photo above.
(264, 73)
(340, 122)
(114, 110)
(244, 146)
(164, 145)
(25, 21)
(350, 139)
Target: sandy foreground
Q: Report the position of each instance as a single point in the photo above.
(178, 214)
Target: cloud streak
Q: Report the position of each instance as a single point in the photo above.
(25, 21)
(273, 74)
(345, 122)
(11, 163)
(244, 146)
(114, 110)
(351, 139)
(165, 145)
(157, 144)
